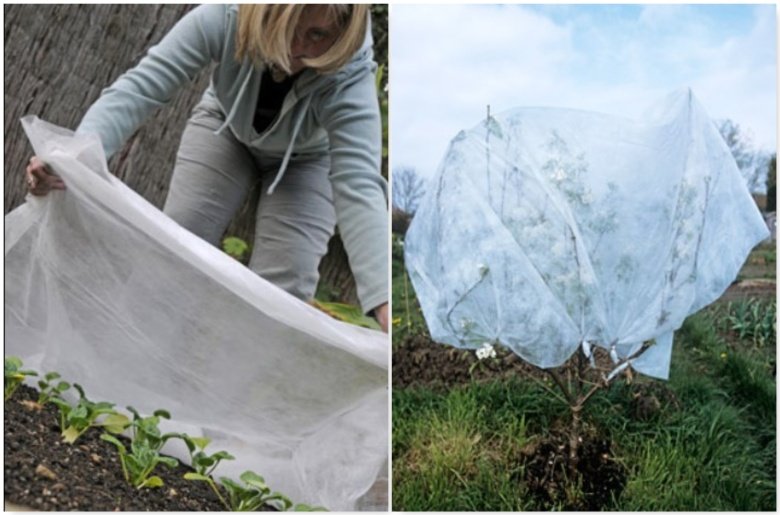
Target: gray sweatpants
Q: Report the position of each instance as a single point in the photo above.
(211, 179)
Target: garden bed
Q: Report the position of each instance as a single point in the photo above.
(46, 474)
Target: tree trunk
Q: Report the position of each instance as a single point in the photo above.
(58, 58)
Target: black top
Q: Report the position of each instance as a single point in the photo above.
(270, 100)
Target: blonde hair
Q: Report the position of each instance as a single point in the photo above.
(265, 34)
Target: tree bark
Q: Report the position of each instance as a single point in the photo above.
(58, 58)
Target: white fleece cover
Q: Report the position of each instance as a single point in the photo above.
(103, 288)
(547, 228)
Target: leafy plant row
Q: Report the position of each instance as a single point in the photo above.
(140, 460)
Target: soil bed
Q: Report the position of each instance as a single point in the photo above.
(548, 474)
(750, 288)
(419, 361)
(46, 474)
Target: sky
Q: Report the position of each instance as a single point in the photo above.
(448, 62)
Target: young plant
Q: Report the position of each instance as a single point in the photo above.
(144, 455)
(14, 375)
(254, 493)
(204, 464)
(50, 390)
(74, 421)
(753, 320)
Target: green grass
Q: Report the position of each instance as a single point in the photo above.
(712, 449)
(407, 315)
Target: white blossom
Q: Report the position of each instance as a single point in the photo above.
(486, 351)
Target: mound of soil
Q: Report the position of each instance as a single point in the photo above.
(46, 474)
(548, 474)
(419, 361)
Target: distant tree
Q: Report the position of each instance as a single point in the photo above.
(752, 163)
(408, 189)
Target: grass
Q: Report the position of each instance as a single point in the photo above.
(710, 446)
(761, 263)
(407, 314)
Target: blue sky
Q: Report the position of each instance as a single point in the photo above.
(449, 62)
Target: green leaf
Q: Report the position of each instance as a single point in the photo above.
(222, 455)
(152, 482)
(80, 389)
(230, 484)
(62, 405)
(115, 422)
(347, 313)
(79, 413)
(170, 462)
(306, 507)
(162, 413)
(70, 434)
(194, 476)
(111, 439)
(200, 441)
(62, 386)
(235, 247)
(276, 496)
(205, 461)
(253, 479)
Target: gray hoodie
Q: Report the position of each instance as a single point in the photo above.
(335, 114)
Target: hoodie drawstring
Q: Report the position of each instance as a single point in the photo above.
(296, 128)
(234, 109)
(288, 152)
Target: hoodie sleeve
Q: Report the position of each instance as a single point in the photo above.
(192, 43)
(350, 114)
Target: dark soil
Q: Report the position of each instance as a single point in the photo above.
(419, 361)
(46, 474)
(549, 477)
(750, 288)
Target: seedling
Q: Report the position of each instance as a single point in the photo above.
(14, 376)
(254, 493)
(74, 421)
(50, 390)
(202, 462)
(753, 320)
(195, 476)
(144, 455)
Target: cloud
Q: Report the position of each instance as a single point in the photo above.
(449, 62)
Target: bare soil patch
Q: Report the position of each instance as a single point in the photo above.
(548, 473)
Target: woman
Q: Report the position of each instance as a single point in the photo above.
(292, 105)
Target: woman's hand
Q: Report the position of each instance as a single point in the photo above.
(40, 180)
(381, 314)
